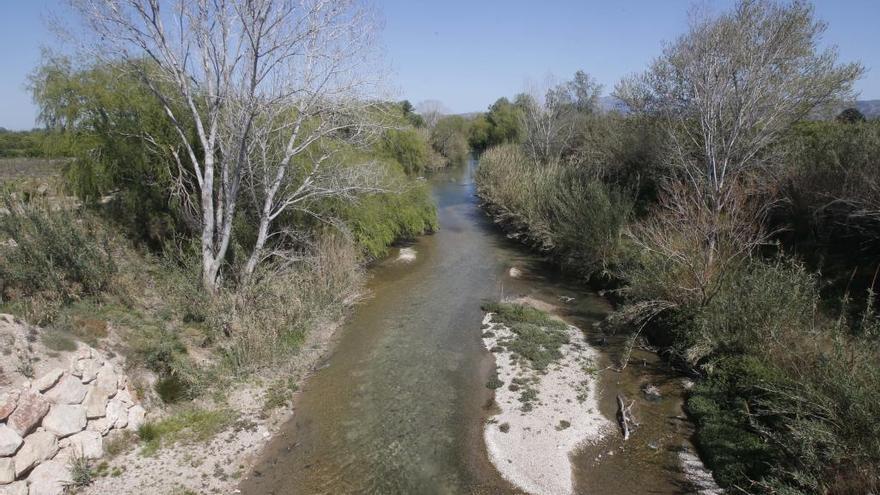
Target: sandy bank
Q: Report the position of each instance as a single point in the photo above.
(218, 465)
(531, 448)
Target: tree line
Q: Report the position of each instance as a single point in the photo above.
(734, 221)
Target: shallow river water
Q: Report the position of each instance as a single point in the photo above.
(398, 407)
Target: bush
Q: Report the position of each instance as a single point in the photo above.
(450, 138)
(187, 425)
(59, 256)
(408, 147)
(267, 320)
(557, 208)
(377, 221)
(789, 398)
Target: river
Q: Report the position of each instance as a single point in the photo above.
(398, 407)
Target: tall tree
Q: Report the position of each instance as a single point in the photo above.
(264, 84)
(729, 88)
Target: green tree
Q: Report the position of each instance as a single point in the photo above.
(505, 120)
(123, 145)
(851, 116)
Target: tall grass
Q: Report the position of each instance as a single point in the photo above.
(558, 208)
(268, 319)
(49, 258)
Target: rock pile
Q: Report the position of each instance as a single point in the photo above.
(61, 415)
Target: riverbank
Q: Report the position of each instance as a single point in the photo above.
(545, 415)
(254, 412)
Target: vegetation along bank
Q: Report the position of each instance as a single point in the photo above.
(736, 229)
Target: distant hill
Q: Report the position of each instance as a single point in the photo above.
(869, 108)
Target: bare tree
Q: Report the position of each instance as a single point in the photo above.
(549, 117)
(731, 86)
(431, 111)
(263, 83)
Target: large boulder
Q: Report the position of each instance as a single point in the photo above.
(136, 417)
(10, 440)
(124, 396)
(95, 403)
(68, 390)
(7, 470)
(8, 401)
(29, 412)
(101, 425)
(38, 447)
(17, 488)
(65, 420)
(48, 380)
(117, 413)
(88, 444)
(107, 380)
(49, 478)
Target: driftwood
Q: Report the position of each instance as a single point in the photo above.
(624, 416)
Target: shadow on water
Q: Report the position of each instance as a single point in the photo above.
(399, 405)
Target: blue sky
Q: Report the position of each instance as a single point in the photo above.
(468, 53)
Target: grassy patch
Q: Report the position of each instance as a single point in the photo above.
(118, 442)
(279, 394)
(528, 397)
(508, 314)
(57, 340)
(81, 472)
(494, 382)
(537, 337)
(188, 425)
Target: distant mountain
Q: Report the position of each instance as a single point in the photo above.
(869, 108)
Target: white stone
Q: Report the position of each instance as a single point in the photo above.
(88, 444)
(89, 369)
(100, 425)
(117, 413)
(38, 447)
(8, 401)
(95, 403)
(10, 441)
(136, 416)
(69, 390)
(124, 396)
(65, 420)
(48, 380)
(49, 478)
(406, 255)
(7, 470)
(107, 380)
(17, 488)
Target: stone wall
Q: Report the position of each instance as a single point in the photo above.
(62, 414)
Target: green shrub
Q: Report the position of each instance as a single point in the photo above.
(450, 138)
(557, 208)
(408, 147)
(266, 320)
(376, 222)
(81, 472)
(536, 336)
(60, 256)
(187, 425)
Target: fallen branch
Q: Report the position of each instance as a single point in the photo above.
(624, 416)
